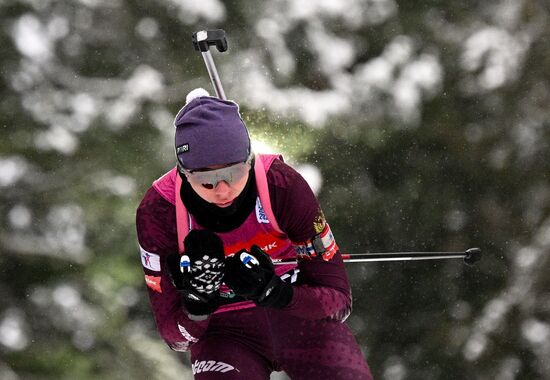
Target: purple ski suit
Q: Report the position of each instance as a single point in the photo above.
(307, 339)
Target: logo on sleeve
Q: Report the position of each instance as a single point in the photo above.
(150, 260)
(153, 283)
(186, 334)
(323, 245)
(260, 213)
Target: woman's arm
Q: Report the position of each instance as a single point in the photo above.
(323, 289)
(157, 236)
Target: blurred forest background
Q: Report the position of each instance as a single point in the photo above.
(421, 125)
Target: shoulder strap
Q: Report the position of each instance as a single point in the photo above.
(261, 167)
(169, 187)
(165, 185)
(182, 216)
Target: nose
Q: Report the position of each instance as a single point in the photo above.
(222, 188)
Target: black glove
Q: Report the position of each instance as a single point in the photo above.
(198, 273)
(251, 275)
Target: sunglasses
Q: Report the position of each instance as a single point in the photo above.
(209, 178)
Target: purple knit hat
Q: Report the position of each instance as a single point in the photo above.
(210, 131)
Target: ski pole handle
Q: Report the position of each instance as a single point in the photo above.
(202, 40)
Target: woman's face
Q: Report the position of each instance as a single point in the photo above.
(223, 193)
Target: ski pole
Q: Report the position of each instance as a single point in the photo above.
(202, 40)
(470, 256)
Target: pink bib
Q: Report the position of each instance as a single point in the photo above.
(259, 228)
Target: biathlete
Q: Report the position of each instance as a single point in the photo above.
(209, 230)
